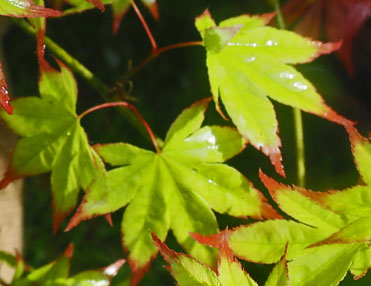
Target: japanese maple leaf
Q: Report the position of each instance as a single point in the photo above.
(342, 19)
(188, 271)
(247, 62)
(25, 8)
(341, 217)
(53, 140)
(4, 94)
(175, 188)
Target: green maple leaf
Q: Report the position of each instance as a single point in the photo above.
(53, 140)
(25, 8)
(174, 188)
(247, 62)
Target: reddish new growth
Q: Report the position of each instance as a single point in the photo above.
(342, 19)
(4, 95)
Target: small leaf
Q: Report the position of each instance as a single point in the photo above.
(325, 265)
(25, 8)
(301, 207)
(246, 62)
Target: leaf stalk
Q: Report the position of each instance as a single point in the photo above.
(128, 106)
(298, 120)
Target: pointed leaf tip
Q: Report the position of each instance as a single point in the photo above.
(152, 7)
(138, 272)
(269, 183)
(219, 241)
(113, 269)
(98, 4)
(69, 251)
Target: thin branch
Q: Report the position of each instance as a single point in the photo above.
(145, 26)
(298, 121)
(132, 108)
(154, 55)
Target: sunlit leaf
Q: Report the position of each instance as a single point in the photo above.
(247, 62)
(174, 189)
(188, 271)
(322, 266)
(279, 275)
(53, 140)
(302, 207)
(25, 8)
(361, 263)
(265, 242)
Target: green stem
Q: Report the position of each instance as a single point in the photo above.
(85, 73)
(73, 63)
(298, 121)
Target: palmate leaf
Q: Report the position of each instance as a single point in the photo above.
(247, 62)
(53, 140)
(173, 189)
(25, 8)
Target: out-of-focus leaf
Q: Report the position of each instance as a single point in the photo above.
(342, 20)
(175, 188)
(322, 266)
(25, 8)
(4, 94)
(246, 62)
(8, 258)
(53, 141)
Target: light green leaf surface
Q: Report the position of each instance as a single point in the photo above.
(53, 141)
(175, 188)
(230, 273)
(361, 262)
(362, 156)
(248, 62)
(325, 265)
(302, 207)
(352, 203)
(265, 242)
(279, 275)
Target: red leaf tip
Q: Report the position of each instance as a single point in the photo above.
(328, 48)
(98, 4)
(219, 240)
(270, 183)
(112, 269)
(69, 251)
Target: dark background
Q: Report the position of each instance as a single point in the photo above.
(162, 90)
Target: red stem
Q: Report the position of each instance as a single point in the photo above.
(132, 108)
(177, 46)
(145, 26)
(155, 54)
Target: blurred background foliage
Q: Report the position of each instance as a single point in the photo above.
(161, 91)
